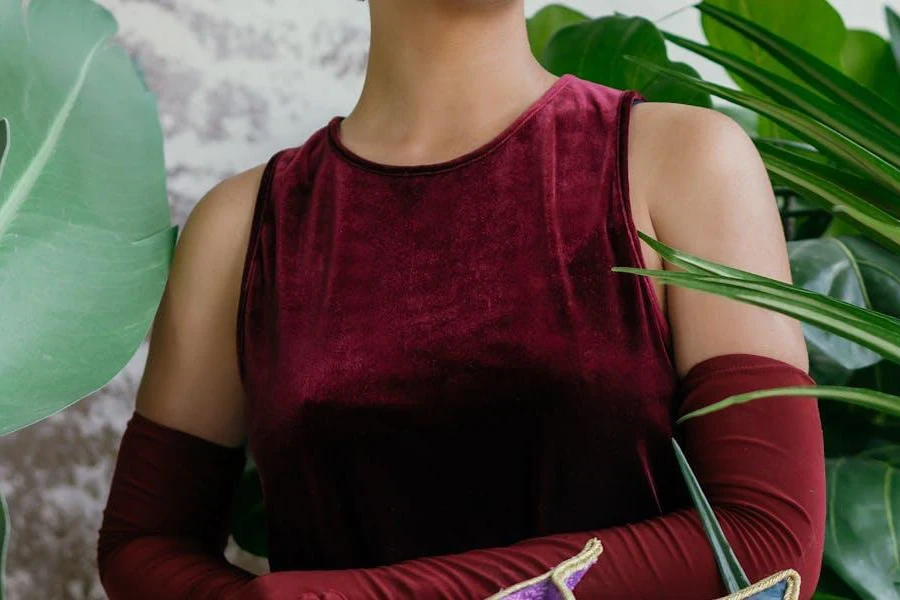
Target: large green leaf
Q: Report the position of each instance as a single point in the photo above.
(85, 234)
(729, 568)
(595, 50)
(829, 267)
(861, 543)
(893, 21)
(822, 35)
(881, 271)
(799, 97)
(818, 74)
(824, 138)
(868, 59)
(875, 331)
(832, 587)
(544, 24)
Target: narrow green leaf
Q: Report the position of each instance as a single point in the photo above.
(819, 74)
(729, 568)
(823, 166)
(831, 189)
(871, 399)
(822, 33)
(879, 333)
(876, 331)
(823, 137)
(798, 97)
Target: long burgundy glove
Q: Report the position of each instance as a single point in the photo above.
(165, 524)
(761, 465)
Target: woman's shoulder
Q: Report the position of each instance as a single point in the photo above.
(679, 146)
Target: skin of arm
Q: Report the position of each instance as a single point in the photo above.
(699, 185)
(191, 380)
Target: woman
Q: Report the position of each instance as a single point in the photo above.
(411, 320)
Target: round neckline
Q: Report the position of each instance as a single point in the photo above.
(334, 138)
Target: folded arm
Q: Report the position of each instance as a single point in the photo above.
(760, 464)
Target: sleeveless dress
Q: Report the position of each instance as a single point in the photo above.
(438, 358)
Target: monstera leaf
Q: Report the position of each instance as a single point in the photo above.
(596, 50)
(85, 234)
(852, 269)
(861, 543)
(544, 24)
(893, 20)
(867, 58)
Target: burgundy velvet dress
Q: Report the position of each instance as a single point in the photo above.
(438, 358)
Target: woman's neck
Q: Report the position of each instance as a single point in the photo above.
(439, 71)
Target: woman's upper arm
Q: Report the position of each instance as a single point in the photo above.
(191, 380)
(708, 194)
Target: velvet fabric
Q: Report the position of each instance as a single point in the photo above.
(418, 338)
(448, 391)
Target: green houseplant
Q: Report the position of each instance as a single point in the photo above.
(85, 231)
(834, 142)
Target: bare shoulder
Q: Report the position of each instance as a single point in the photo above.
(706, 191)
(191, 382)
(679, 142)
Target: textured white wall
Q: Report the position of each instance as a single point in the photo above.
(236, 81)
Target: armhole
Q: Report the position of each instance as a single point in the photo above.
(249, 267)
(661, 325)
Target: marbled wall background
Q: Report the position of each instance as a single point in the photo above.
(236, 81)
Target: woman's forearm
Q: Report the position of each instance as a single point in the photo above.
(165, 523)
(760, 464)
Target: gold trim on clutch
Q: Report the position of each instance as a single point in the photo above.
(791, 593)
(560, 573)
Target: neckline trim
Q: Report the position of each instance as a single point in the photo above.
(334, 138)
